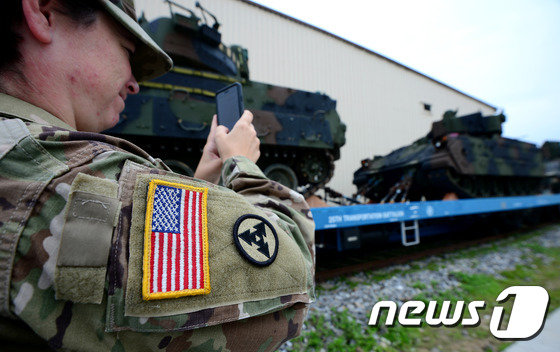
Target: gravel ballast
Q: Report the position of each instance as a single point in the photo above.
(357, 293)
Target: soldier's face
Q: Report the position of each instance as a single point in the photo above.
(100, 77)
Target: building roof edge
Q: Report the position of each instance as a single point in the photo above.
(262, 7)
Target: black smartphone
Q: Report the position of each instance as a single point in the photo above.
(229, 105)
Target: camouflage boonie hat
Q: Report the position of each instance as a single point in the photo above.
(149, 60)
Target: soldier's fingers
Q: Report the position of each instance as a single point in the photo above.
(213, 125)
(247, 117)
(221, 130)
(251, 131)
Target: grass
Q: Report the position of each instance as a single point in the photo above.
(351, 335)
(433, 266)
(378, 276)
(419, 285)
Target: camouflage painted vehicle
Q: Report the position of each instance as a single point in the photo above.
(463, 157)
(300, 132)
(551, 155)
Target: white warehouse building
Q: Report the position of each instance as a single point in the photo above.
(384, 104)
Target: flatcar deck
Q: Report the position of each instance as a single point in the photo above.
(345, 218)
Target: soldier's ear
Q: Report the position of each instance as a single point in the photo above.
(38, 18)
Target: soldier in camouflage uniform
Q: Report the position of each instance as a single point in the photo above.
(102, 248)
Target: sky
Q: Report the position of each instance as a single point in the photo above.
(503, 52)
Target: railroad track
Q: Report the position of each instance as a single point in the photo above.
(329, 267)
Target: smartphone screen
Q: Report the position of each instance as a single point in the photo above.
(229, 105)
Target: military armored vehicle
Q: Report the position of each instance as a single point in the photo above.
(551, 155)
(461, 157)
(300, 132)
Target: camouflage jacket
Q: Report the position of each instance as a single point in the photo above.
(82, 267)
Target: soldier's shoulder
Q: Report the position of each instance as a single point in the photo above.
(53, 145)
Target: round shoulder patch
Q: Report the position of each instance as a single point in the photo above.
(256, 239)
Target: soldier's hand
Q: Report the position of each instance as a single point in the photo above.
(242, 140)
(210, 165)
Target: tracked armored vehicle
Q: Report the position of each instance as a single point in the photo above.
(461, 157)
(551, 155)
(300, 132)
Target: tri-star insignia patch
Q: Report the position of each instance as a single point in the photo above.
(256, 239)
(175, 241)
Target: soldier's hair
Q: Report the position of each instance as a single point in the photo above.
(83, 12)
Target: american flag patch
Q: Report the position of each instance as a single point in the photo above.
(175, 241)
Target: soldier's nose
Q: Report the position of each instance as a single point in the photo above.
(132, 86)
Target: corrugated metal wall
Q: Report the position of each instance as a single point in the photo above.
(381, 102)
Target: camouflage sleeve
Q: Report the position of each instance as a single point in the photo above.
(284, 206)
(78, 324)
